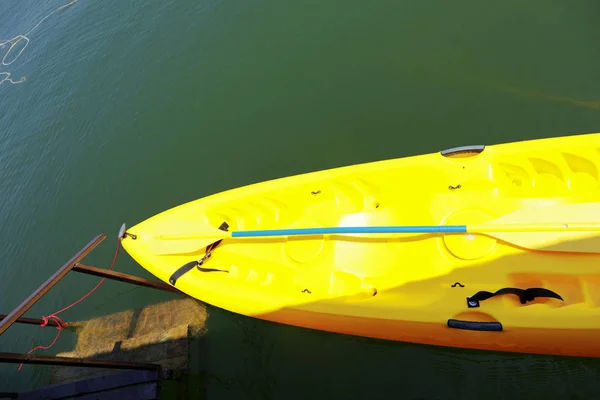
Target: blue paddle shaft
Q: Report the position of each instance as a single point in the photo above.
(352, 229)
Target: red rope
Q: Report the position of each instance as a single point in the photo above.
(60, 324)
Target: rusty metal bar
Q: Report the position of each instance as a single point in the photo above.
(31, 321)
(74, 362)
(119, 276)
(53, 280)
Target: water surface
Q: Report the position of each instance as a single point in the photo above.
(130, 108)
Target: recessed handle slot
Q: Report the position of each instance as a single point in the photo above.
(475, 149)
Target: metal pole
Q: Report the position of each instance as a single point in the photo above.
(74, 362)
(31, 321)
(53, 280)
(119, 276)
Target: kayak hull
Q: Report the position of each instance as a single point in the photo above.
(416, 287)
(562, 342)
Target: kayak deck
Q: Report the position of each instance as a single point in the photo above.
(400, 287)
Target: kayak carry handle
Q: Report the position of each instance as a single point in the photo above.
(476, 149)
(475, 326)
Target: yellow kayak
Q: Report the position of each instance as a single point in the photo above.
(486, 247)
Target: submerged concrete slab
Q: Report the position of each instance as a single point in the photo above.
(157, 333)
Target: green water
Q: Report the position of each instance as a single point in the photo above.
(132, 107)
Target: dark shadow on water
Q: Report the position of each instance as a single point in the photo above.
(246, 358)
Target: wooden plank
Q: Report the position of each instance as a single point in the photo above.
(74, 362)
(31, 321)
(119, 276)
(49, 284)
(146, 391)
(92, 385)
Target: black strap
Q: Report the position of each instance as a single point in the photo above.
(181, 271)
(197, 263)
(524, 295)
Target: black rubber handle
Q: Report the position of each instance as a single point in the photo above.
(478, 148)
(475, 326)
